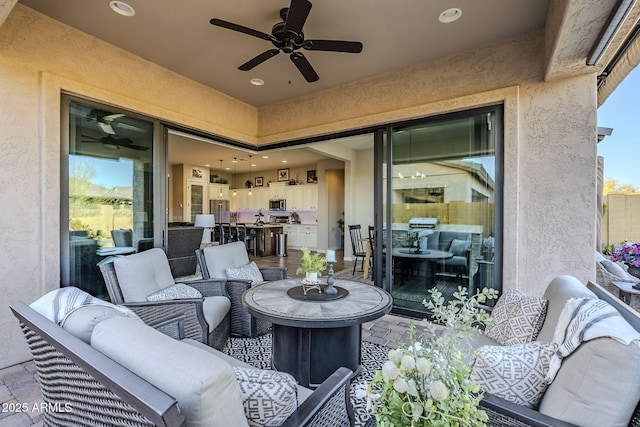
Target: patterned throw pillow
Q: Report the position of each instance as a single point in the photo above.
(459, 247)
(515, 373)
(177, 291)
(268, 397)
(518, 318)
(248, 272)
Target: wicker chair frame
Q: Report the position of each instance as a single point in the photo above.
(243, 324)
(90, 389)
(189, 310)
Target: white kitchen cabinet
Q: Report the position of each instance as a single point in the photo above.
(308, 236)
(260, 199)
(310, 197)
(299, 235)
(277, 190)
(292, 235)
(216, 189)
(239, 202)
(294, 198)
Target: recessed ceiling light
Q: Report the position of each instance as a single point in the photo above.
(257, 82)
(284, 161)
(265, 157)
(450, 15)
(121, 8)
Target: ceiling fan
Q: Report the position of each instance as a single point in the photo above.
(110, 141)
(287, 36)
(106, 120)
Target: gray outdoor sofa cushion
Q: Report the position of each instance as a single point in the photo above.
(204, 384)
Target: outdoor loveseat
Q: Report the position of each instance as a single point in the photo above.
(597, 385)
(106, 368)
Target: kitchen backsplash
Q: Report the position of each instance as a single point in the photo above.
(305, 217)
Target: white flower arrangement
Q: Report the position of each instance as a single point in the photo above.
(427, 383)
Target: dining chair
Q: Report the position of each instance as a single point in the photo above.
(247, 237)
(357, 246)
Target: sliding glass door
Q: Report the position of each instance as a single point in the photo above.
(110, 191)
(441, 191)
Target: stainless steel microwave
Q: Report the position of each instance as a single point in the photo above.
(277, 205)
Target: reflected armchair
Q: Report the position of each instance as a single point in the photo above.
(143, 282)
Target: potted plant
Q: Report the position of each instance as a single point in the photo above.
(427, 383)
(311, 265)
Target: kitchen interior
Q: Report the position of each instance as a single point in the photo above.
(299, 191)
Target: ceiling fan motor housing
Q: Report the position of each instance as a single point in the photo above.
(287, 41)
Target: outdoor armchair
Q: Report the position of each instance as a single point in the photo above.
(214, 262)
(143, 282)
(126, 373)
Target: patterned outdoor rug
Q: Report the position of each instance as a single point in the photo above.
(257, 352)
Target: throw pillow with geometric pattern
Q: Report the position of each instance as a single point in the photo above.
(518, 318)
(248, 272)
(268, 397)
(177, 291)
(515, 373)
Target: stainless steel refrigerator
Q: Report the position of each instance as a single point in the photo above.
(220, 208)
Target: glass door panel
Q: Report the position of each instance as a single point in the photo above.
(110, 189)
(440, 207)
(196, 200)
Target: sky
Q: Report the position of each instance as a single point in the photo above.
(621, 149)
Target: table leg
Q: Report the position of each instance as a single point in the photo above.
(367, 259)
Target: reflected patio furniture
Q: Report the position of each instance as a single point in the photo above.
(122, 237)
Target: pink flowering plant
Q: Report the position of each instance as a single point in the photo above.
(427, 383)
(628, 253)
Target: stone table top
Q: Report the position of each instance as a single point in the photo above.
(271, 302)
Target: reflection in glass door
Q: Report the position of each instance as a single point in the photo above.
(110, 189)
(440, 200)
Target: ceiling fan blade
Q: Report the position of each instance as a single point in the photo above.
(333, 46)
(106, 128)
(240, 29)
(136, 147)
(304, 67)
(258, 59)
(297, 15)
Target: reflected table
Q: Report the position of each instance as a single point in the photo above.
(428, 256)
(312, 338)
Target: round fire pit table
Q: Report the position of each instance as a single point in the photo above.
(312, 338)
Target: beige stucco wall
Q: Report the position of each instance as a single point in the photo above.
(549, 139)
(621, 222)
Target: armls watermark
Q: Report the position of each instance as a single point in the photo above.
(36, 407)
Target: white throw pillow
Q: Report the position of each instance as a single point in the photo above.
(518, 318)
(248, 272)
(268, 397)
(515, 373)
(459, 247)
(177, 291)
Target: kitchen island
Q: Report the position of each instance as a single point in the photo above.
(265, 237)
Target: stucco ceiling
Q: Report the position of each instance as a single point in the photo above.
(395, 34)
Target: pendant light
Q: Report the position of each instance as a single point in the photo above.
(220, 194)
(235, 169)
(249, 174)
